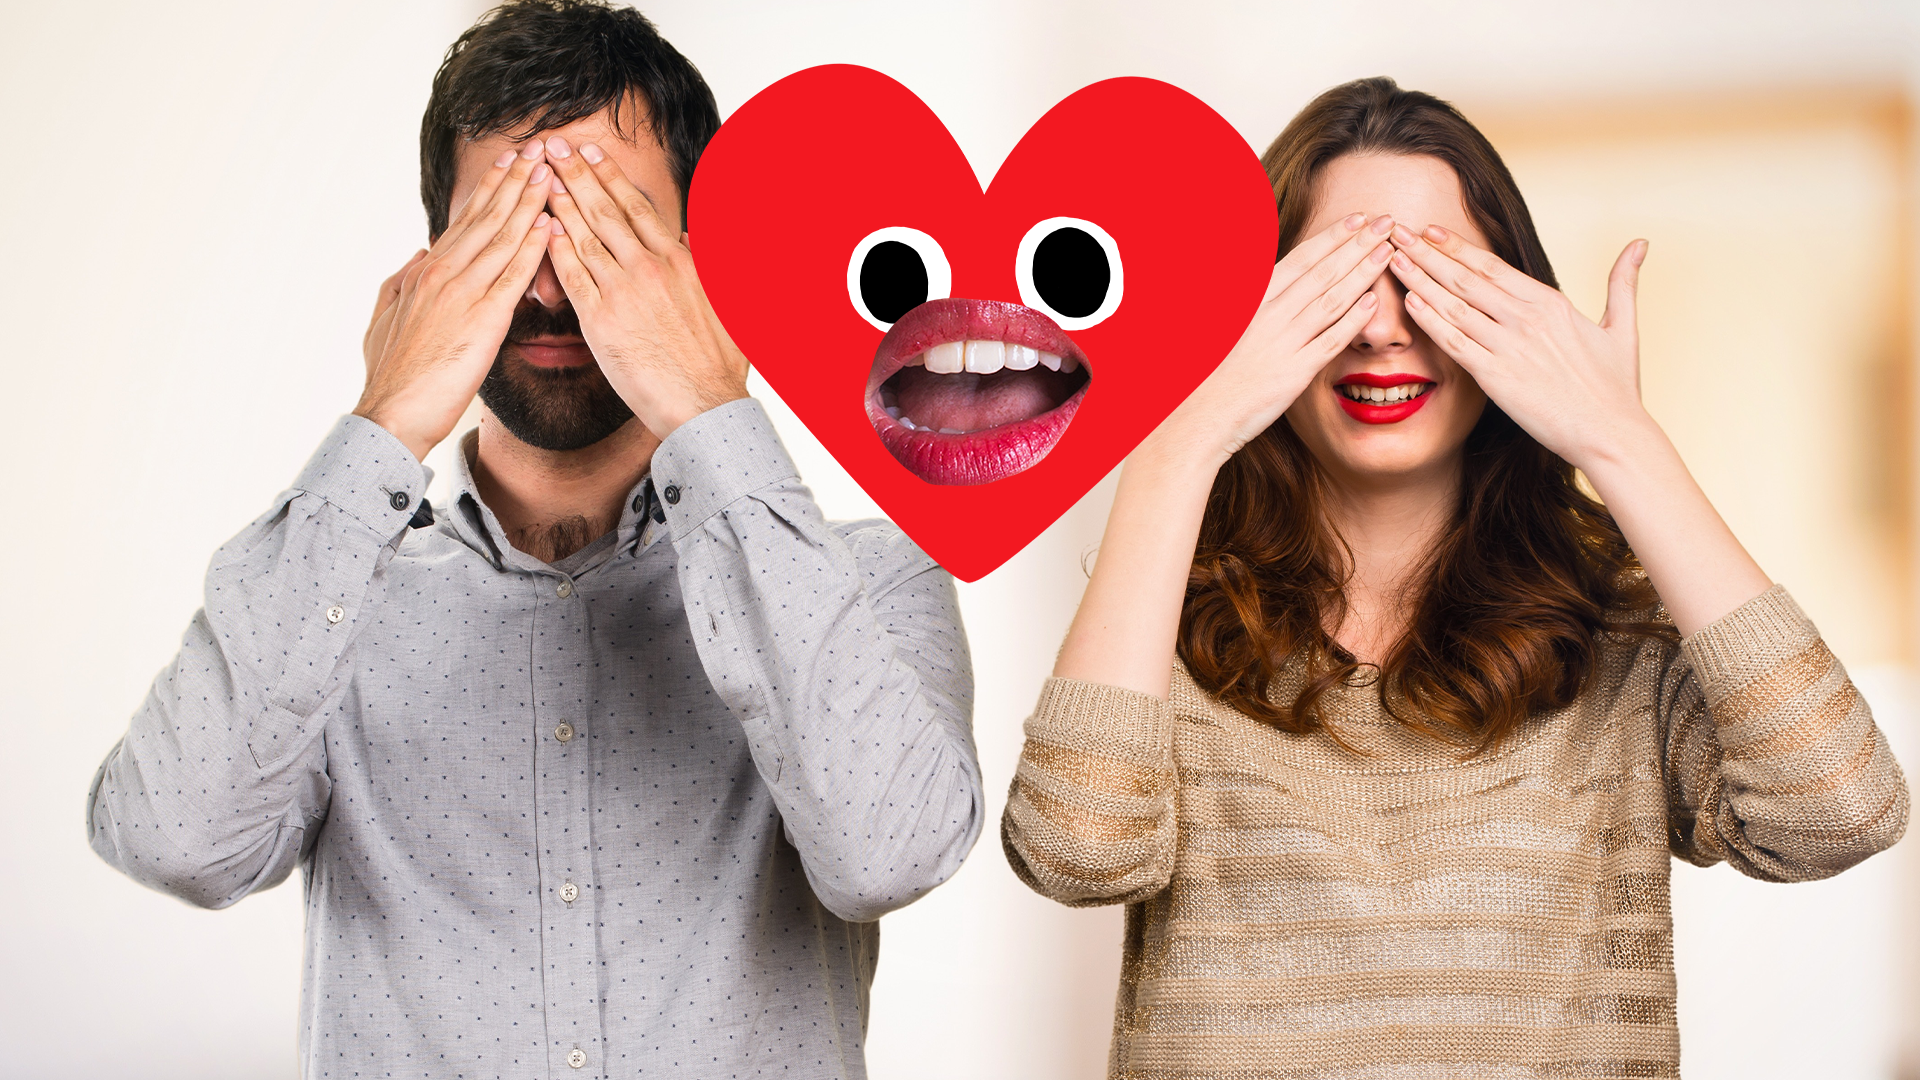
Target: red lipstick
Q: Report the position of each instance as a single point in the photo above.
(974, 427)
(1371, 412)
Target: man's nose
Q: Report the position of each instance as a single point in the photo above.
(546, 290)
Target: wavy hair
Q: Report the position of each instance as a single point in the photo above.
(1508, 610)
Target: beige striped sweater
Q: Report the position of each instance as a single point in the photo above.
(1299, 911)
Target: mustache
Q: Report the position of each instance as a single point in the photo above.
(533, 320)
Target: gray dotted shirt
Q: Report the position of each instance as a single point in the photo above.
(633, 815)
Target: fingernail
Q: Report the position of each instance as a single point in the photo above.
(1380, 254)
(558, 229)
(532, 150)
(1401, 262)
(1436, 233)
(1403, 235)
(558, 147)
(1351, 221)
(1367, 299)
(539, 173)
(541, 221)
(591, 153)
(1414, 301)
(1640, 256)
(505, 160)
(558, 187)
(1382, 223)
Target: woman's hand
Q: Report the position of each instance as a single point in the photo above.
(1317, 301)
(1571, 383)
(1574, 385)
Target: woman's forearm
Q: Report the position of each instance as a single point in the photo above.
(1693, 559)
(1123, 633)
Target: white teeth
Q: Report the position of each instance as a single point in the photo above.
(1385, 395)
(1022, 358)
(986, 357)
(1068, 365)
(1050, 361)
(947, 359)
(951, 431)
(893, 411)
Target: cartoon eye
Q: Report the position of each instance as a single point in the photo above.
(893, 271)
(1070, 269)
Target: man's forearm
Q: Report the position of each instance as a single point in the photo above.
(844, 658)
(213, 792)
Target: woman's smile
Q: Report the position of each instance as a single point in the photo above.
(1383, 399)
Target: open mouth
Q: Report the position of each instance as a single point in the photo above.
(1383, 399)
(973, 391)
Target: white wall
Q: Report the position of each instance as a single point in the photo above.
(206, 195)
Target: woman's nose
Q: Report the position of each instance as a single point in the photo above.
(546, 290)
(1390, 327)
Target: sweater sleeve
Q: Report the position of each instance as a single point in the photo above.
(1773, 762)
(1091, 817)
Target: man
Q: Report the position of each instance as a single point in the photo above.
(607, 767)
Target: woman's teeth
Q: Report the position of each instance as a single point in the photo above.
(986, 357)
(1384, 395)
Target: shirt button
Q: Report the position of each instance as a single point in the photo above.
(576, 1057)
(569, 892)
(564, 732)
(639, 501)
(564, 589)
(671, 494)
(336, 613)
(399, 500)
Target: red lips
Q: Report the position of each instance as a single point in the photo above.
(1384, 413)
(973, 427)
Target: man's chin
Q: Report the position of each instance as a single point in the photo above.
(553, 408)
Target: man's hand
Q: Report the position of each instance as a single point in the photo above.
(435, 334)
(632, 283)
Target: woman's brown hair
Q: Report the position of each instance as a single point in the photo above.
(1519, 587)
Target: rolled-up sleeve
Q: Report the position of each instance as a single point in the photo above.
(1773, 760)
(220, 781)
(840, 648)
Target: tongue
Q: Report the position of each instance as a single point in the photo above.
(971, 402)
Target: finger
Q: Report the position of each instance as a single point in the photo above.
(1452, 340)
(1308, 264)
(1333, 341)
(390, 288)
(574, 276)
(1325, 273)
(518, 274)
(1433, 295)
(525, 179)
(1473, 285)
(492, 260)
(583, 244)
(477, 201)
(1623, 289)
(603, 215)
(653, 230)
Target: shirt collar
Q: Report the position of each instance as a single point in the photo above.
(473, 522)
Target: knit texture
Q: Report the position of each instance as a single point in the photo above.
(1298, 910)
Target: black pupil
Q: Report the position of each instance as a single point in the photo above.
(893, 280)
(1070, 272)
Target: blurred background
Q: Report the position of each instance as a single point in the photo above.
(216, 189)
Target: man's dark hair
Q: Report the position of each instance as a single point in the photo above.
(534, 65)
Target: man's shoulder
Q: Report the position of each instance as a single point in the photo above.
(883, 551)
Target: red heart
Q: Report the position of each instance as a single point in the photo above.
(815, 163)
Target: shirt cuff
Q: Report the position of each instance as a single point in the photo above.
(1748, 642)
(364, 470)
(716, 459)
(1102, 719)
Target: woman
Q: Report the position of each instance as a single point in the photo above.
(1403, 804)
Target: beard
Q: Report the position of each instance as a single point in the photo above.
(550, 408)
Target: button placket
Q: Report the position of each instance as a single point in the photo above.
(569, 931)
